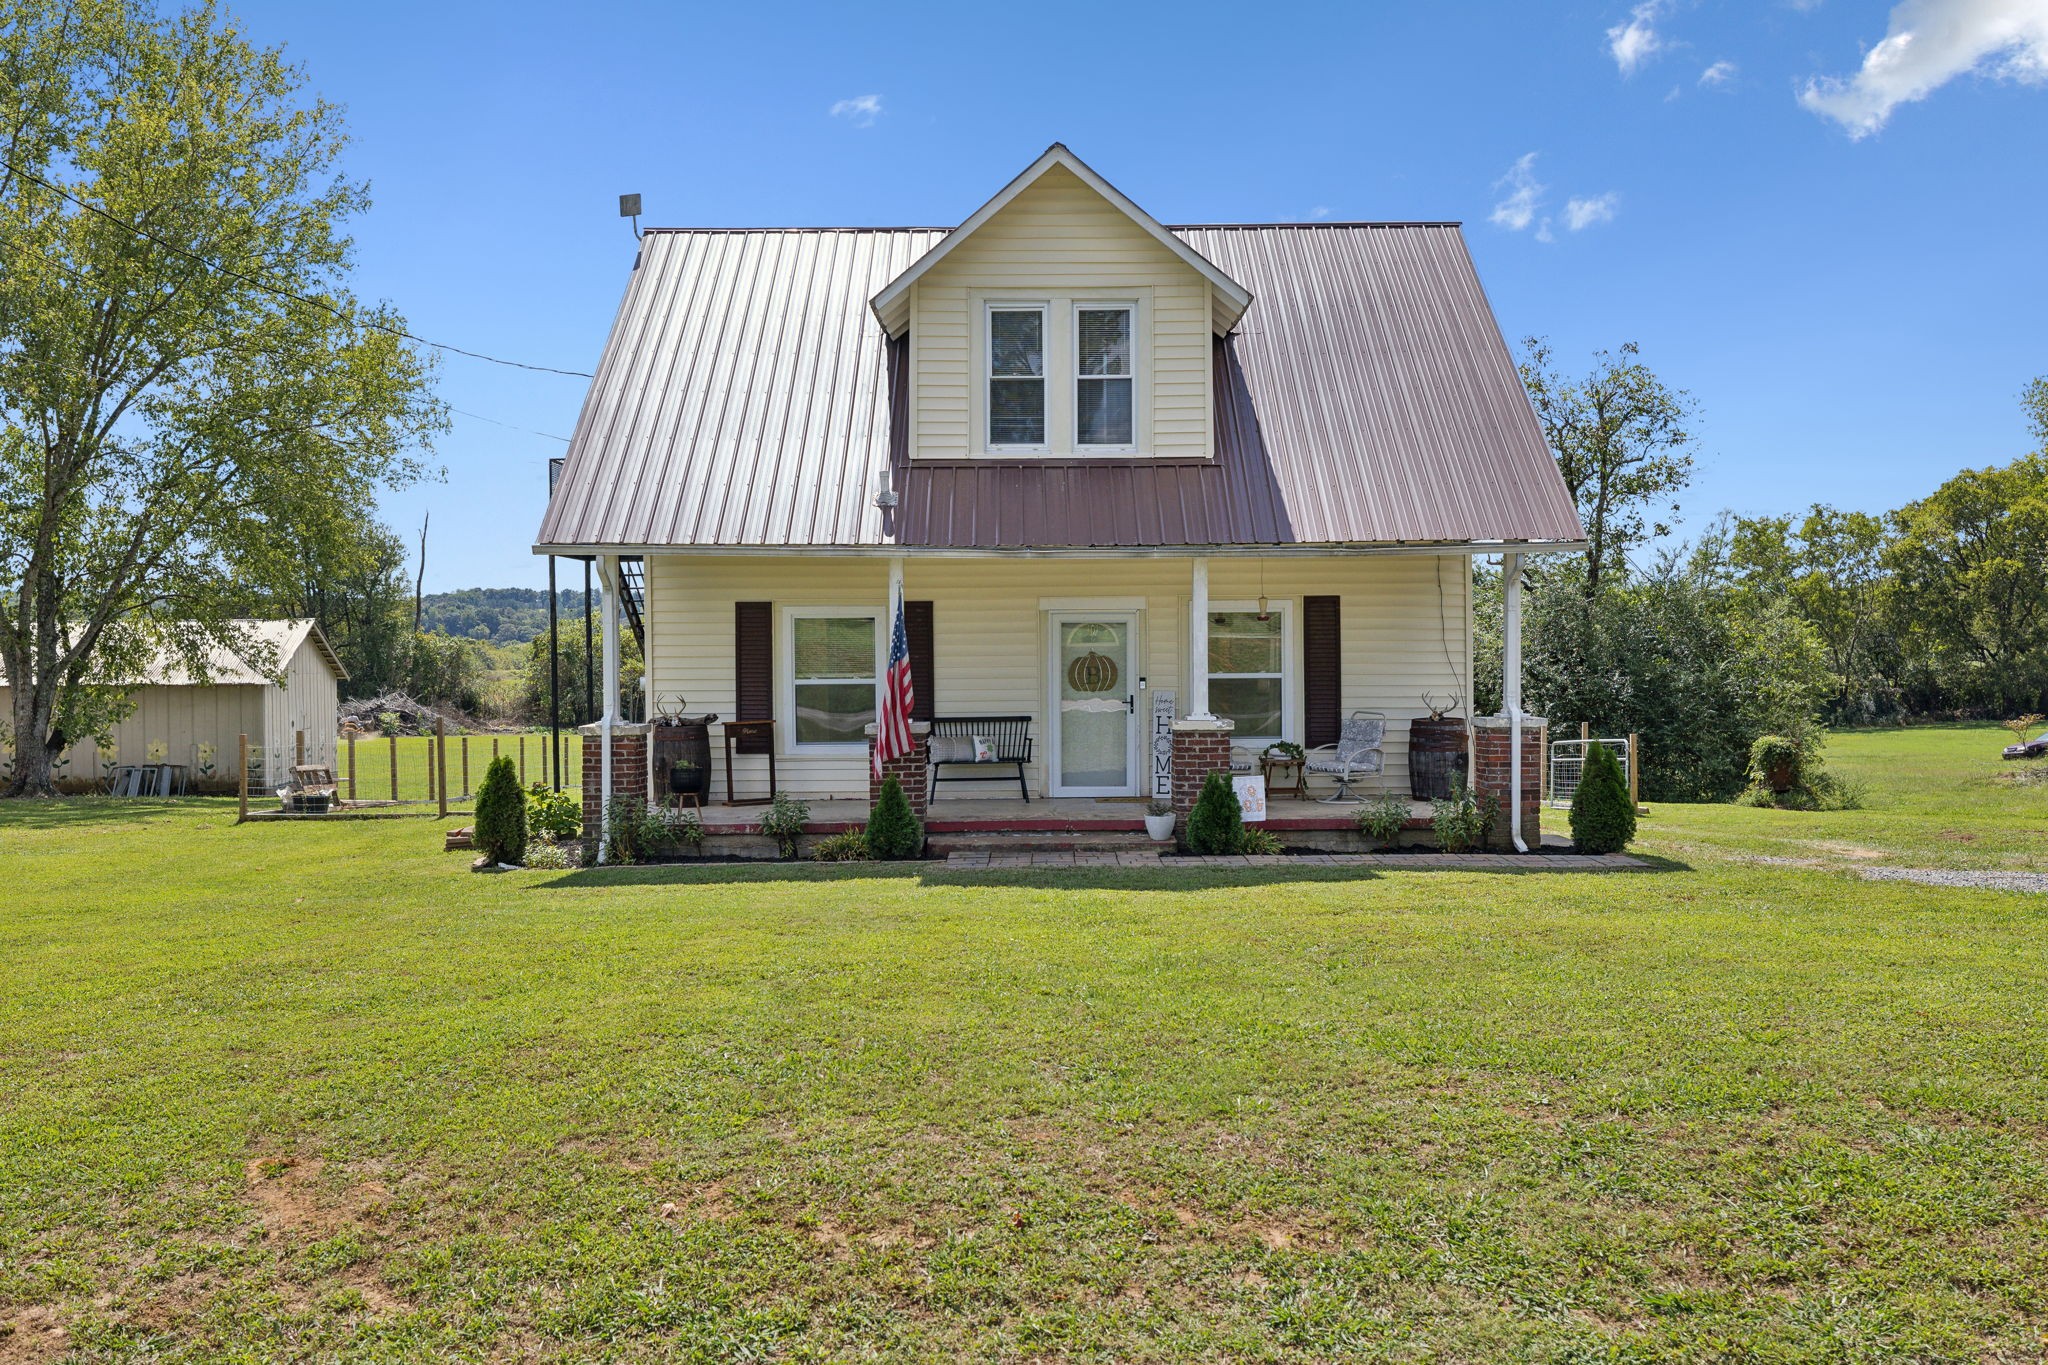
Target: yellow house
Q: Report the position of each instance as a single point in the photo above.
(1127, 480)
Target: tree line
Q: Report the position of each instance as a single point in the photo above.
(1776, 624)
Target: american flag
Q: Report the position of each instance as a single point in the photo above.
(892, 726)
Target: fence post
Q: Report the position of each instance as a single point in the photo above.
(394, 766)
(351, 736)
(441, 762)
(431, 788)
(522, 762)
(1635, 767)
(1585, 734)
(465, 767)
(242, 780)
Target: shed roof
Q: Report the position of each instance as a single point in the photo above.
(749, 398)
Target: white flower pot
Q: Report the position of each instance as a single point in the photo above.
(1160, 827)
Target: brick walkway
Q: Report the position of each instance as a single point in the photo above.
(1414, 862)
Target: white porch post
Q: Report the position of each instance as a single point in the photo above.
(895, 591)
(1511, 688)
(1198, 642)
(608, 576)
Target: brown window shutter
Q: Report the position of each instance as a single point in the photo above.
(753, 669)
(1322, 670)
(917, 630)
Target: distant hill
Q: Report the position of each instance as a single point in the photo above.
(504, 616)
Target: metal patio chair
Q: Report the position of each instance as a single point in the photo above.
(1360, 751)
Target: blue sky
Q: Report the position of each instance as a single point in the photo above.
(1824, 219)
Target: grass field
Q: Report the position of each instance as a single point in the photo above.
(312, 1092)
(376, 756)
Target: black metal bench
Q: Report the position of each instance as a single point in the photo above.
(1008, 738)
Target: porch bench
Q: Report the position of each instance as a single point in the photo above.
(952, 746)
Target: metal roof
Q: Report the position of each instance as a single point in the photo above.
(747, 397)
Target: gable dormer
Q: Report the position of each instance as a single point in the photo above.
(1061, 321)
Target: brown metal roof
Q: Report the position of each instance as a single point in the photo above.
(747, 397)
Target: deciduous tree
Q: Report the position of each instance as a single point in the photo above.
(190, 395)
(1623, 442)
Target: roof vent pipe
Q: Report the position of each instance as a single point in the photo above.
(885, 494)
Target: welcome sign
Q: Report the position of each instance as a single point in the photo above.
(1162, 743)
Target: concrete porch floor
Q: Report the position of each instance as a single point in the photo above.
(1061, 814)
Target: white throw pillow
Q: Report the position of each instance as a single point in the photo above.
(984, 751)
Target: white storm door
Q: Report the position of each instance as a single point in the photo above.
(1092, 699)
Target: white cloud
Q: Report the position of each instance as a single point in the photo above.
(1636, 41)
(1518, 209)
(1719, 74)
(1928, 44)
(861, 110)
(1319, 212)
(1584, 213)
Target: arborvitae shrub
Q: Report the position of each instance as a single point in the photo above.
(500, 824)
(893, 832)
(1603, 818)
(1216, 824)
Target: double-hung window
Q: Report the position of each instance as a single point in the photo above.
(1016, 378)
(832, 653)
(1248, 673)
(1104, 415)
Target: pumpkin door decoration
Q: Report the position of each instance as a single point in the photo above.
(1092, 672)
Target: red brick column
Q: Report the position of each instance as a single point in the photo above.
(910, 769)
(1200, 747)
(1492, 776)
(629, 768)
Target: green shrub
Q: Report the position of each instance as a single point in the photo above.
(1260, 842)
(1459, 820)
(893, 831)
(552, 857)
(785, 821)
(552, 814)
(1216, 824)
(500, 823)
(847, 846)
(1777, 762)
(1603, 818)
(634, 831)
(1381, 819)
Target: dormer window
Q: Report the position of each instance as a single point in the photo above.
(1061, 375)
(1016, 378)
(1103, 410)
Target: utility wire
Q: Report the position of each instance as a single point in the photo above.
(279, 290)
(508, 425)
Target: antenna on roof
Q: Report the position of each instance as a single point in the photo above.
(629, 207)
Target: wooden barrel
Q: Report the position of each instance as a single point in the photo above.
(1436, 754)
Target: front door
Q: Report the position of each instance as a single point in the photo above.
(1093, 691)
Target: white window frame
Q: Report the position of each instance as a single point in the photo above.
(786, 681)
(1290, 669)
(990, 307)
(1076, 307)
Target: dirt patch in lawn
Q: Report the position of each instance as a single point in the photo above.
(288, 1196)
(33, 1334)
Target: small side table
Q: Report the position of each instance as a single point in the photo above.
(1280, 768)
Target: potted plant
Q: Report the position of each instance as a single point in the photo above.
(1159, 821)
(1286, 751)
(688, 778)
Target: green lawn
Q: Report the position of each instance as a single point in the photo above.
(312, 1092)
(376, 756)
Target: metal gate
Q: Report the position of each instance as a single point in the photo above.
(1568, 763)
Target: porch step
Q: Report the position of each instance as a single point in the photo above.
(945, 845)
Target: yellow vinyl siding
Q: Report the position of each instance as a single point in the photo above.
(990, 638)
(1056, 237)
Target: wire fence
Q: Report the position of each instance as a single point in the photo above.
(409, 769)
(1568, 764)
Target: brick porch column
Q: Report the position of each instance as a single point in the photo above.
(629, 767)
(1200, 747)
(910, 769)
(1492, 776)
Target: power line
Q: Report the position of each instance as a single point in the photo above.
(279, 290)
(509, 426)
